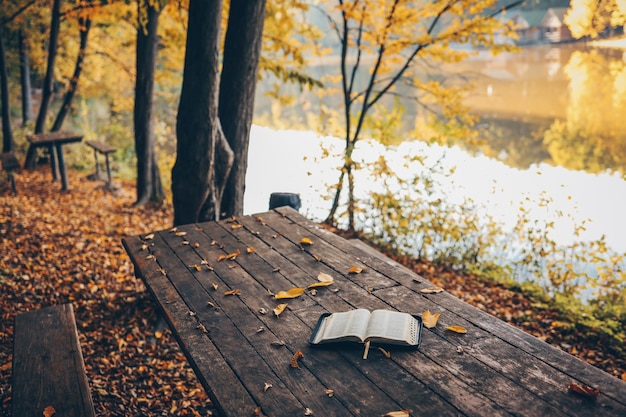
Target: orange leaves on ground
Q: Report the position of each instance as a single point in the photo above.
(457, 329)
(429, 319)
(291, 293)
(296, 357)
(584, 390)
(279, 309)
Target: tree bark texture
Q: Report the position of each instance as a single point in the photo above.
(149, 186)
(48, 82)
(242, 52)
(27, 97)
(85, 25)
(7, 132)
(200, 140)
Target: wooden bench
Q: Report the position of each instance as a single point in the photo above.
(10, 164)
(48, 367)
(103, 148)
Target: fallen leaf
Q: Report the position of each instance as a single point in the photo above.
(260, 220)
(306, 241)
(180, 233)
(257, 411)
(308, 412)
(233, 255)
(431, 290)
(624, 376)
(279, 309)
(221, 257)
(584, 390)
(457, 329)
(355, 270)
(277, 343)
(401, 413)
(385, 352)
(329, 392)
(231, 219)
(214, 285)
(149, 237)
(250, 249)
(236, 291)
(429, 319)
(236, 226)
(324, 280)
(294, 360)
(267, 386)
(291, 293)
(49, 411)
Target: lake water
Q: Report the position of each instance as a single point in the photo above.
(551, 120)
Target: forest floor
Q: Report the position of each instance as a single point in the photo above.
(60, 247)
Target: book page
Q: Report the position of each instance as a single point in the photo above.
(391, 325)
(349, 323)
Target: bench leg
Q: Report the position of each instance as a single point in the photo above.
(95, 157)
(65, 183)
(53, 162)
(108, 169)
(12, 179)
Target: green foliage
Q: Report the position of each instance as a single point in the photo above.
(407, 211)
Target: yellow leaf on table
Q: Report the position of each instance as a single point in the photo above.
(431, 290)
(324, 280)
(49, 411)
(292, 293)
(294, 360)
(457, 329)
(355, 270)
(429, 319)
(401, 413)
(306, 241)
(279, 309)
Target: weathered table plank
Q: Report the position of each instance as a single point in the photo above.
(500, 370)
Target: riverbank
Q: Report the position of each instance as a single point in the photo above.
(66, 247)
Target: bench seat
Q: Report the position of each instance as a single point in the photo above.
(48, 367)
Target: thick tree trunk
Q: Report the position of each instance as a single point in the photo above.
(48, 82)
(199, 134)
(149, 186)
(242, 52)
(85, 25)
(7, 132)
(27, 98)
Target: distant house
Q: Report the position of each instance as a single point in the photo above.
(554, 28)
(528, 26)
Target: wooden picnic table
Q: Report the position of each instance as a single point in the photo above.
(54, 141)
(231, 340)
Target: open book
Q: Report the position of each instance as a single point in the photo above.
(382, 326)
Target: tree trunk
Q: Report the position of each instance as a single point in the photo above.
(27, 98)
(7, 132)
(149, 187)
(198, 130)
(85, 25)
(48, 82)
(242, 52)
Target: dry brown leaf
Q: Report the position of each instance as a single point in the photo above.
(279, 309)
(584, 390)
(180, 233)
(306, 241)
(429, 319)
(457, 329)
(233, 255)
(260, 220)
(355, 270)
(385, 352)
(149, 237)
(431, 290)
(308, 412)
(214, 285)
(267, 386)
(294, 360)
(291, 293)
(236, 291)
(49, 411)
(250, 249)
(236, 226)
(221, 258)
(624, 376)
(329, 392)
(401, 413)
